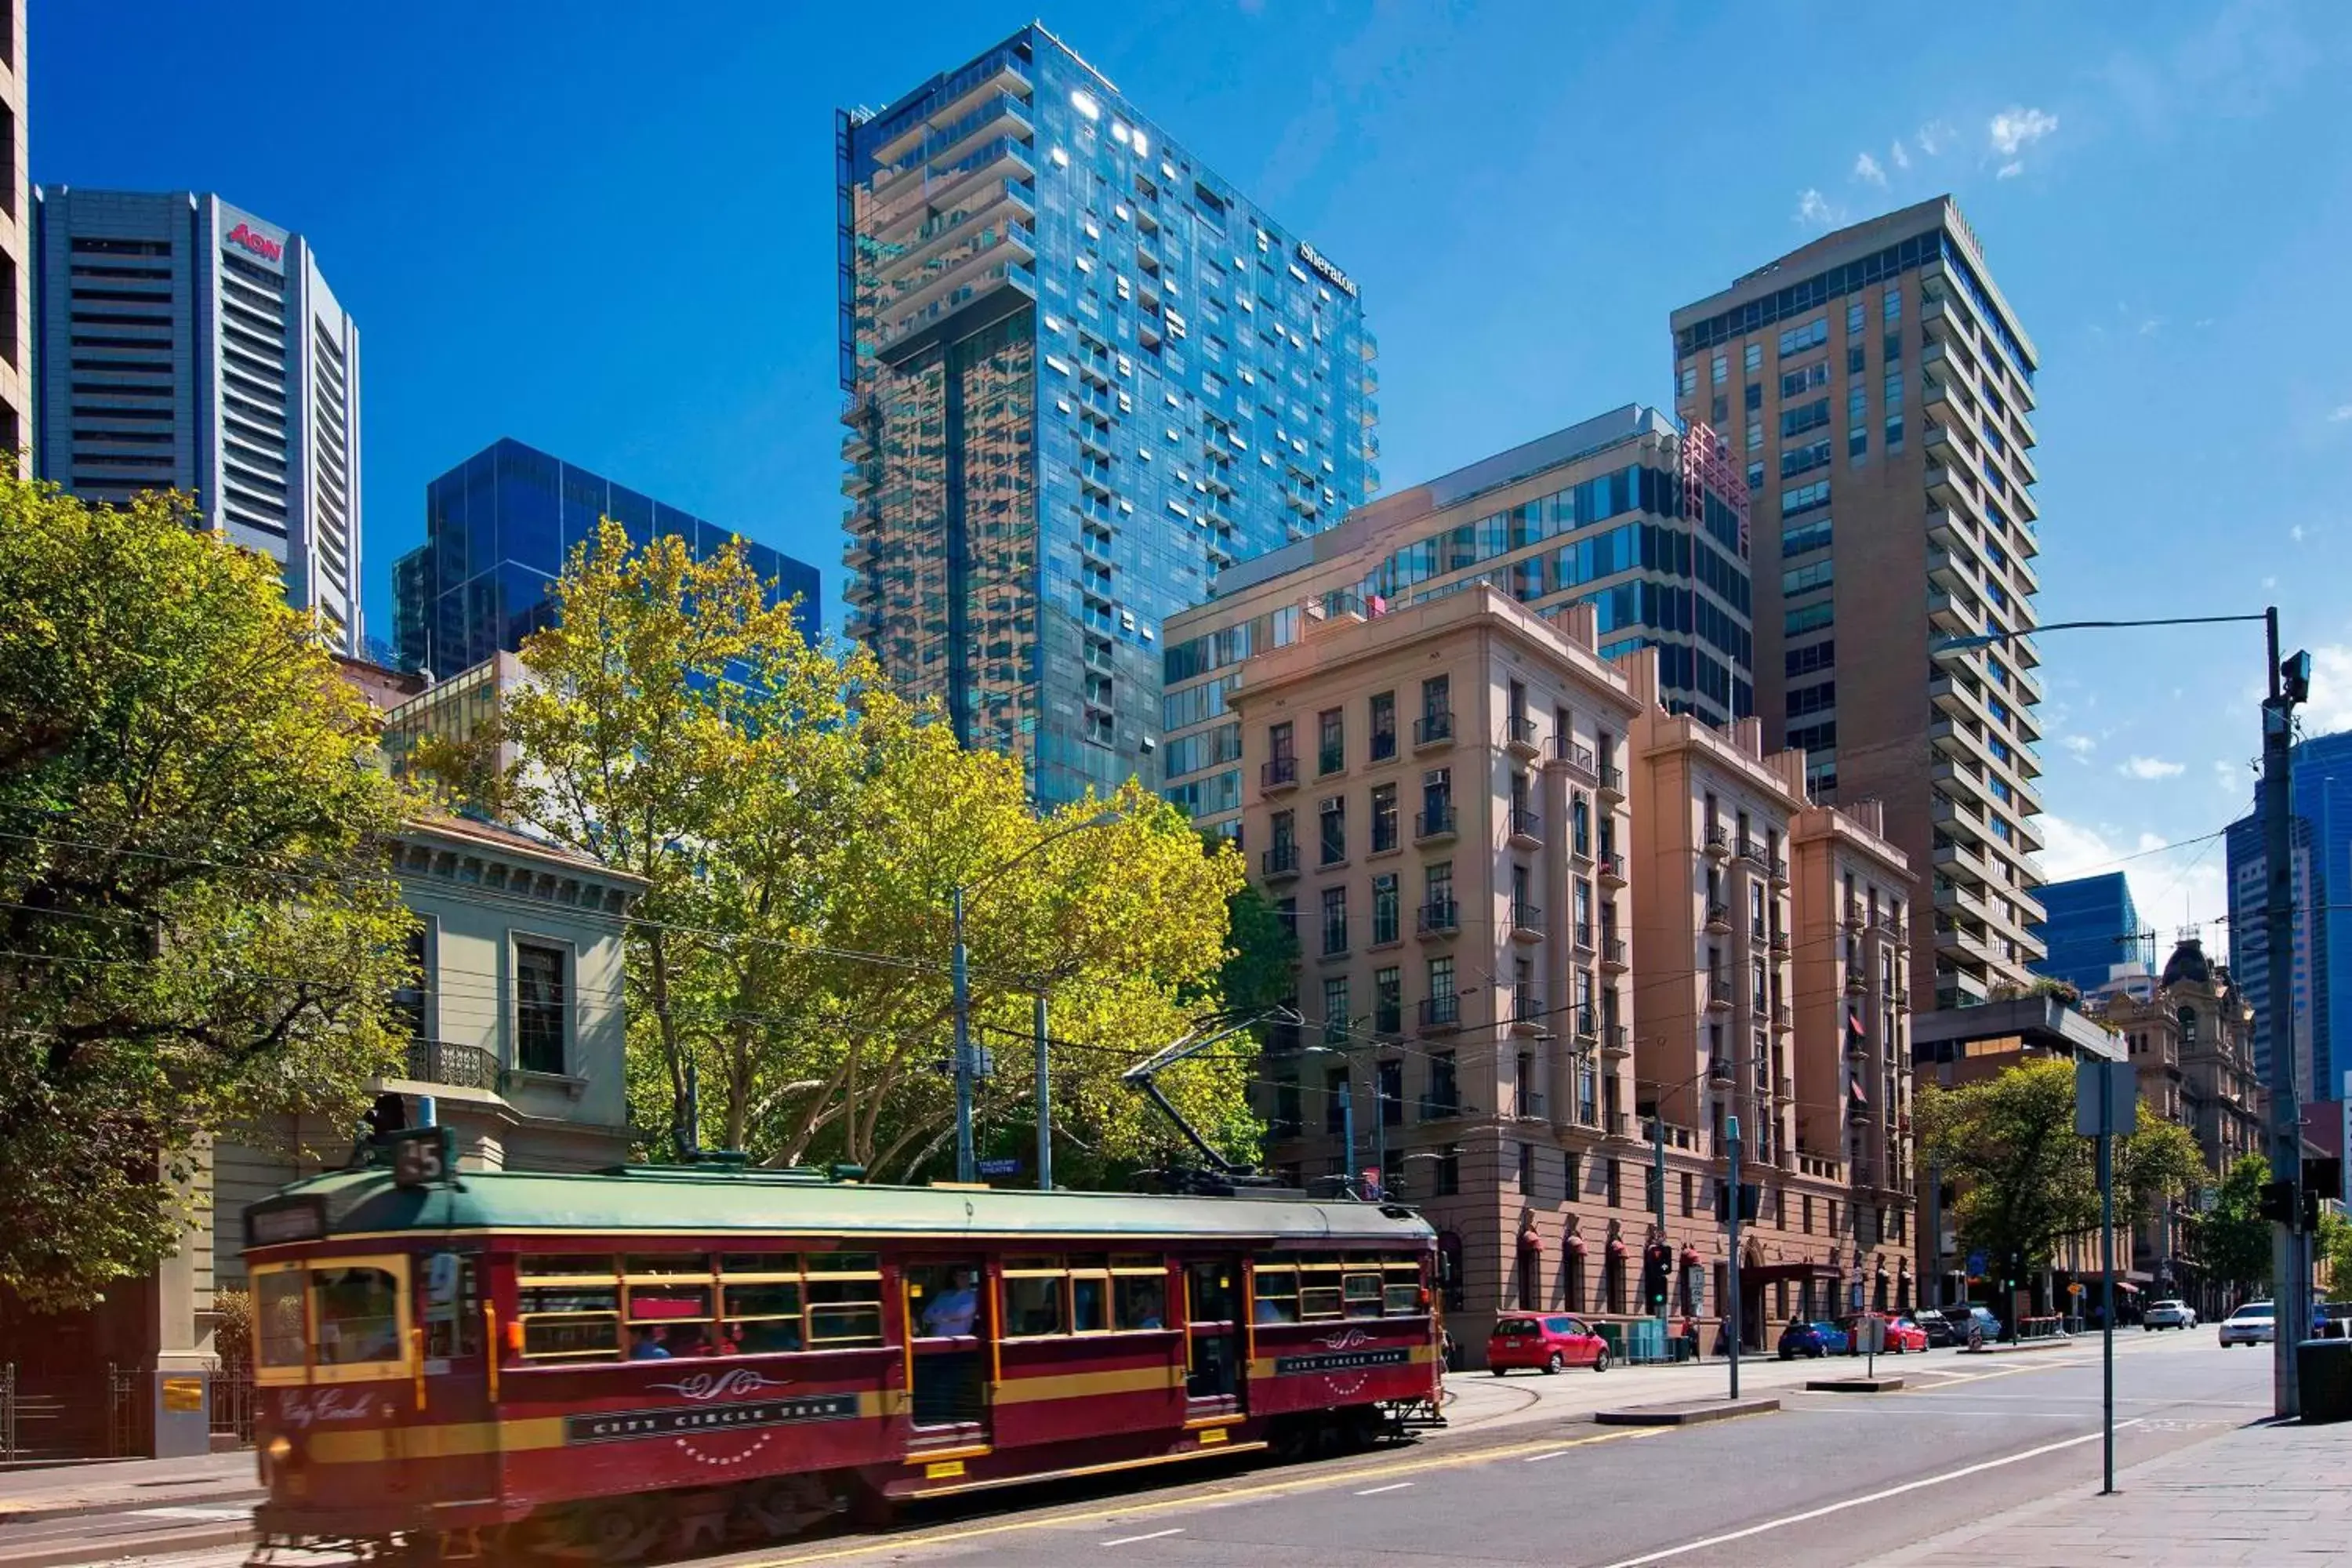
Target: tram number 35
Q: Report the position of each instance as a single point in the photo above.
(421, 1156)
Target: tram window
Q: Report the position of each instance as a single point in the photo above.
(1361, 1294)
(1033, 1297)
(451, 1307)
(1319, 1291)
(1277, 1295)
(569, 1323)
(1212, 1293)
(844, 1294)
(669, 1303)
(763, 1319)
(1401, 1290)
(278, 1331)
(533, 1265)
(358, 1314)
(1138, 1292)
(1089, 1293)
(943, 1300)
(667, 1265)
(740, 1263)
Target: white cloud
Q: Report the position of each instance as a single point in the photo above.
(2230, 776)
(1934, 137)
(1901, 159)
(1813, 208)
(1865, 167)
(2295, 534)
(2152, 768)
(2016, 128)
(2190, 883)
(2080, 745)
(2330, 708)
(2011, 170)
(2340, 413)
(2268, 584)
(2150, 327)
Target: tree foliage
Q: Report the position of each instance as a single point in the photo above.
(2233, 1240)
(197, 921)
(801, 829)
(2026, 1179)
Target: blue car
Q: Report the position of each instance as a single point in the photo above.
(1815, 1340)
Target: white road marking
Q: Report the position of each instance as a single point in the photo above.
(1155, 1535)
(1863, 1501)
(215, 1513)
(1916, 1409)
(1392, 1487)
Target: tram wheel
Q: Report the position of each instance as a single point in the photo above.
(615, 1530)
(782, 1508)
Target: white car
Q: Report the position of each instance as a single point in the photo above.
(2169, 1315)
(2254, 1323)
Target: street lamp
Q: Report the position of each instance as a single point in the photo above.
(2290, 686)
(967, 1165)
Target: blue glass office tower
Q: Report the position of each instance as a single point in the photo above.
(498, 530)
(2320, 774)
(2092, 926)
(1084, 373)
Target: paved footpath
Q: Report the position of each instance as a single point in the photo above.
(2259, 1494)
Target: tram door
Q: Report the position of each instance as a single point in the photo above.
(1213, 1376)
(456, 1339)
(948, 1335)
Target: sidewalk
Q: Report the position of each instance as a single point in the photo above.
(60, 1491)
(2264, 1493)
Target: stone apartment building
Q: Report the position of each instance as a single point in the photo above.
(1503, 976)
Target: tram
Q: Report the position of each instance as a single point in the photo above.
(657, 1358)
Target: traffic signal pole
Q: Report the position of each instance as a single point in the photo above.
(1731, 1306)
(2293, 1292)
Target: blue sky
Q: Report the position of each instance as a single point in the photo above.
(606, 229)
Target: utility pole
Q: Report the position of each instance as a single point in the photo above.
(967, 1166)
(1936, 1230)
(1658, 1170)
(1731, 1306)
(2107, 1271)
(1044, 1105)
(1348, 1130)
(1379, 1129)
(2290, 683)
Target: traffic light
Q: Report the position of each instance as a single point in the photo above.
(1657, 1260)
(2294, 679)
(2310, 1211)
(2278, 1201)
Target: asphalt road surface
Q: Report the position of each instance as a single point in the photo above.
(1526, 1479)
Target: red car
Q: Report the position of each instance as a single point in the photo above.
(1902, 1333)
(1545, 1343)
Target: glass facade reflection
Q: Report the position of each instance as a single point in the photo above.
(1083, 375)
(498, 530)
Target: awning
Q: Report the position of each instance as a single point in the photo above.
(1773, 1273)
(1854, 1024)
(1574, 1243)
(1616, 1247)
(1855, 1088)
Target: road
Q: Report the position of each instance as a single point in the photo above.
(1524, 1477)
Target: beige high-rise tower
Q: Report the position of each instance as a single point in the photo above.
(15, 272)
(1876, 387)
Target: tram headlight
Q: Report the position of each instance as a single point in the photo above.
(280, 1449)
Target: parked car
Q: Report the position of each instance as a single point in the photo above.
(1545, 1343)
(2168, 1314)
(1902, 1333)
(2255, 1324)
(1905, 1333)
(1815, 1340)
(1981, 1319)
(1940, 1329)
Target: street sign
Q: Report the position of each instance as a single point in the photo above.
(2117, 1084)
(1976, 1261)
(1001, 1167)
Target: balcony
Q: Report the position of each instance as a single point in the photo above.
(1718, 846)
(1280, 861)
(1613, 784)
(1525, 829)
(1781, 871)
(1857, 984)
(1719, 992)
(1753, 852)
(1435, 822)
(1613, 954)
(1588, 1026)
(1439, 918)
(1432, 730)
(1277, 773)
(1616, 1040)
(1577, 757)
(1718, 1073)
(1526, 923)
(1519, 737)
(1853, 915)
(453, 1066)
(1788, 1087)
(1718, 920)
(1779, 943)
(1611, 870)
(1527, 1010)
(1441, 1015)
(1782, 1021)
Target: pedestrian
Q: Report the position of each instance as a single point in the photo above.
(1690, 1338)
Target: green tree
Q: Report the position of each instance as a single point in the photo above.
(2234, 1239)
(2331, 1250)
(1260, 969)
(197, 922)
(2026, 1178)
(801, 829)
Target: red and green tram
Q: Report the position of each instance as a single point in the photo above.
(651, 1358)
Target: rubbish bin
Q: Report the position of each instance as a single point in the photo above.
(1613, 1336)
(2324, 1367)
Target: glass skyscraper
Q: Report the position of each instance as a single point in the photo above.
(1083, 375)
(498, 530)
(2320, 772)
(2091, 927)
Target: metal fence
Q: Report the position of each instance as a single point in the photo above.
(124, 1430)
(232, 1403)
(8, 1413)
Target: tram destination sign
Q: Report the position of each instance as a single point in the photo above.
(1339, 1360)
(627, 1426)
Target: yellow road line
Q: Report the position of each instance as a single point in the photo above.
(1200, 1500)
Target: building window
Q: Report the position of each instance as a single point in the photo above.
(1335, 920)
(1721, 368)
(1334, 815)
(1384, 908)
(1383, 725)
(1384, 818)
(411, 1003)
(541, 1002)
(1753, 357)
(1331, 742)
(1335, 1009)
(1444, 1096)
(1388, 1003)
